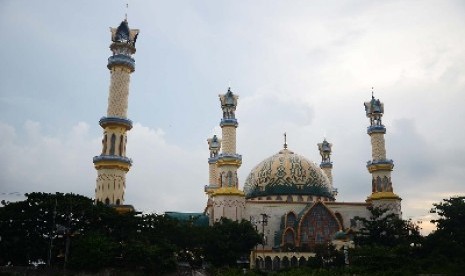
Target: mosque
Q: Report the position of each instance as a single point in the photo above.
(290, 199)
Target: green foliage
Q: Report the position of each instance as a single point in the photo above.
(445, 248)
(92, 251)
(326, 257)
(451, 221)
(32, 227)
(386, 243)
(96, 237)
(386, 229)
(230, 240)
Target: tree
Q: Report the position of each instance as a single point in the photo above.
(229, 240)
(383, 228)
(93, 251)
(27, 228)
(444, 249)
(386, 243)
(37, 229)
(451, 221)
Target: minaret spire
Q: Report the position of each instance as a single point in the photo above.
(112, 164)
(380, 167)
(126, 13)
(285, 140)
(326, 165)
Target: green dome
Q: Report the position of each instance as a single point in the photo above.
(286, 173)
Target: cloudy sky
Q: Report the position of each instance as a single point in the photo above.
(301, 67)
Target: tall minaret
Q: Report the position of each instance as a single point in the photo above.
(112, 164)
(326, 165)
(228, 200)
(380, 167)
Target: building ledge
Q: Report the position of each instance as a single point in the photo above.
(228, 191)
(112, 162)
(115, 121)
(383, 195)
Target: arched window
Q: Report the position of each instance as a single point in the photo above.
(290, 219)
(276, 263)
(285, 262)
(294, 262)
(112, 145)
(121, 143)
(125, 142)
(268, 263)
(107, 201)
(289, 243)
(302, 261)
(118, 202)
(104, 143)
(230, 180)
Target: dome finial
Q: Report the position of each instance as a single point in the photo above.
(285, 140)
(372, 93)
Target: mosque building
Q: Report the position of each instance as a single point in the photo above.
(290, 199)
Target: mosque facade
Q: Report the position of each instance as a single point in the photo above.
(290, 199)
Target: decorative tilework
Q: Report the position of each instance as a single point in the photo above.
(229, 139)
(119, 91)
(378, 146)
(287, 173)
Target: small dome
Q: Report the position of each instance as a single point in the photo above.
(286, 173)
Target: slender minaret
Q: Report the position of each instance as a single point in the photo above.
(214, 146)
(326, 165)
(380, 167)
(112, 164)
(228, 200)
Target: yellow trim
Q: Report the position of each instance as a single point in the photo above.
(380, 167)
(383, 195)
(223, 162)
(123, 209)
(123, 128)
(228, 191)
(113, 164)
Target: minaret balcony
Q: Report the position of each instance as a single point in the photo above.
(229, 122)
(212, 160)
(115, 121)
(121, 60)
(112, 162)
(328, 165)
(376, 129)
(380, 165)
(229, 159)
(210, 189)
